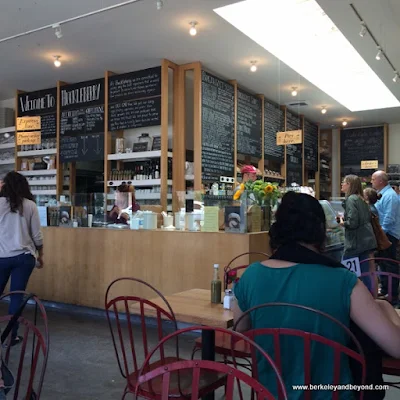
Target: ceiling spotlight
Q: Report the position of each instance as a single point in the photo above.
(57, 31)
(396, 76)
(378, 55)
(160, 5)
(57, 62)
(193, 30)
(294, 91)
(323, 110)
(363, 29)
(344, 123)
(253, 67)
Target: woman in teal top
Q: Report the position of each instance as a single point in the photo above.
(299, 233)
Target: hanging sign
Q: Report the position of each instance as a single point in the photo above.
(28, 138)
(289, 137)
(369, 164)
(28, 123)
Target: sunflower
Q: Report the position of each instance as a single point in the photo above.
(269, 189)
(237, 195)
(242, 186)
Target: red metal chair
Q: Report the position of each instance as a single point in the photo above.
(197, 368)
(308, 339)
(222, 342)
(128, 348)
(28, 360)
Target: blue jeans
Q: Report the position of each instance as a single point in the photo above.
(20, 268)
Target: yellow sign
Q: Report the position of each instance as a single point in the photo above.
(289, 137)
(28, 123)
(211, 219)
(369, 164)
(28, 138)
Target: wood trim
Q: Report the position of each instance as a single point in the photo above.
(303, 164)
(107, 134)
(339, 160)
(261, 164)
(197, 143)
(190, 66)
(164, 134)
(283, 166)
(235, 86)
(385, 146)
(17, 162)
(317, 173)
(60, 172)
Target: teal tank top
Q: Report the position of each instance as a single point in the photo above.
(324, 288)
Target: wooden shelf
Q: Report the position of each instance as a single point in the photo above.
(7, 130)
(151, 196)
(44, 192)
(39, 172)
(136, 156)
(7, 146)
(280, 177)
(43, 182)
(148, 182)
(31, 153)
(189, 177)
(7, 162)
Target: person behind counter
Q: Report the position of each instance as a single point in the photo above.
(249, 173)
(20, 239)
(124, 195)
(359, 238)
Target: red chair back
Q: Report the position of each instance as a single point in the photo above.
(127, 347)
(28, 360)
(229, 269)
(233, 374)
(374, 274)
(308, 339)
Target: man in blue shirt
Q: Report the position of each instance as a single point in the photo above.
(389, 216)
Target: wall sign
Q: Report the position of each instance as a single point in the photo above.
(369, 164)
(28, 123)
(289, 137)
(310, 143)
(28, 138)
(273, 123)
(294, 152)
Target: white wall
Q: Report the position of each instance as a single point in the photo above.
(335, 163)
(394, 144)
(9, 103)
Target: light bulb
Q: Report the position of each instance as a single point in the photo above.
(378, 55)
(159, 4)
(253, 67)
(193, 30)
(294, 91)
(363, 29)
(57, 62)
(344, 123)
(396, 76)
(324, 110)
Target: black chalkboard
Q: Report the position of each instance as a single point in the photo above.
(82, 121)
(43, 103)
(137, 147)
(217, 127)
(134, 114)
(310, 143)
(82, 148)
(134, 85)
(248, 124)
(156, 143)
(273, 123)
(361, 144)
(294, 153)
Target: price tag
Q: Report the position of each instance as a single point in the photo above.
(353, 265)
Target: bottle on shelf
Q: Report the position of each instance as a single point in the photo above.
(216, 286)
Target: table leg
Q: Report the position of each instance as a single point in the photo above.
(208, 353)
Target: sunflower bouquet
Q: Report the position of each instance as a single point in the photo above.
(259, 192)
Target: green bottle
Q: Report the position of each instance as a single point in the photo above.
(216, 287)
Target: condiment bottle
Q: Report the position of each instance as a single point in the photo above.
(228, 299)
(216, 287)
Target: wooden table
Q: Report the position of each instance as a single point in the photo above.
(194, 307)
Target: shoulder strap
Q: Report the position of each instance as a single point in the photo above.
(14, 318)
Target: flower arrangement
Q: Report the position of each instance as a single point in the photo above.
(259, 192)
(231, 277)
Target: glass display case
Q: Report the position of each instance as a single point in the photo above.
(334, 232)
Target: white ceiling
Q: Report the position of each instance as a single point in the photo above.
(138, 36)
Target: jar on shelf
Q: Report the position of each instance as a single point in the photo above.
(146, 138)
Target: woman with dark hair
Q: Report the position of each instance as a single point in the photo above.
(298, 273)
(371, 197)
(124, 199)
(20, 239)
(359, 237)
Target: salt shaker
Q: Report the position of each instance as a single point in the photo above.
(228, 299)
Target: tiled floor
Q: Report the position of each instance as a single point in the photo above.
(82, 364)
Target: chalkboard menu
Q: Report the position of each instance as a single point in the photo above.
(248, 124)
(43, 103)
(134, 99)
(294, 153)
(273, 123)
(217, 127)
(82, 121)
(310, 142)
(361, 144)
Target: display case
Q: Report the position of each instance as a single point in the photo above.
(334, 232)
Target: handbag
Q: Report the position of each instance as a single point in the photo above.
(382, 240)
(6, 375)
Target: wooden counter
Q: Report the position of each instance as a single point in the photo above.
(81, 262)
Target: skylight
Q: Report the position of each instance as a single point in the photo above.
(300, 34)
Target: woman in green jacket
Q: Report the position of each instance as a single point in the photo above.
(359, 239)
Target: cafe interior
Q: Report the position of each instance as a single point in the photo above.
(158, 138)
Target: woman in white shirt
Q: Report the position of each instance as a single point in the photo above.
(20, 239)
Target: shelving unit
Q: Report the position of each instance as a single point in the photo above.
(147, 182)
(39, 172)
(44, 192)
(33, 153)
(136, 156)
(8, 148)
(9, 161)
(43, 182)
